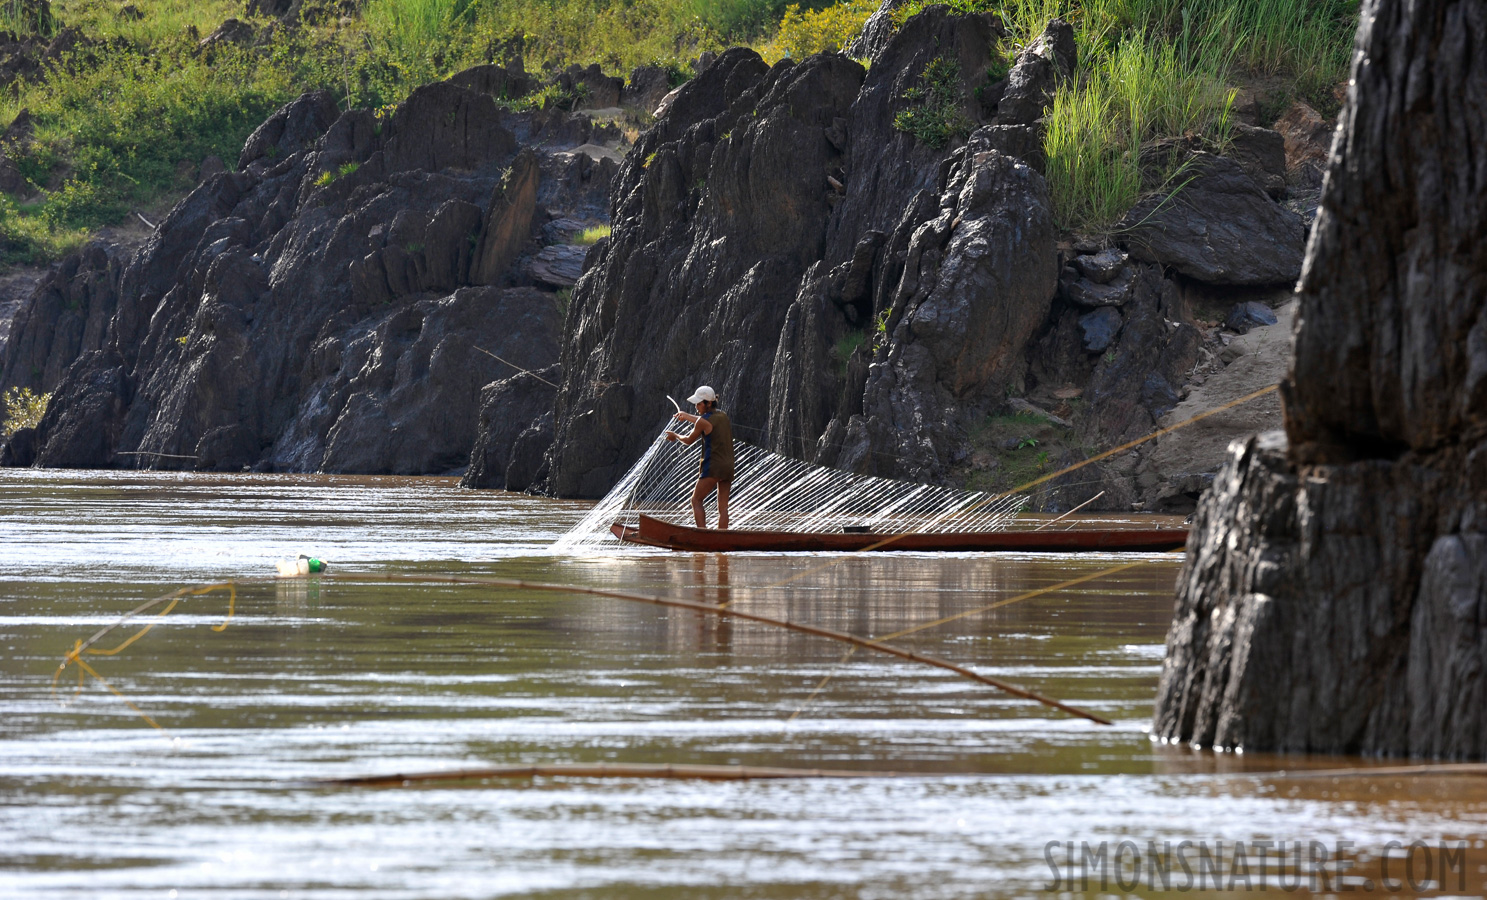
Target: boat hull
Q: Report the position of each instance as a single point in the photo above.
(654, 532)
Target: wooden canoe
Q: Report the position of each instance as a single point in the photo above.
(1165, 533)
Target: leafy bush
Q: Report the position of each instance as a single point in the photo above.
(913, 8)
(828, 30)
(938, 117)
(23, 409)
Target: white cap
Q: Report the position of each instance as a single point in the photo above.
(703, 393)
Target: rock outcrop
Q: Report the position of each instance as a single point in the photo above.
(1334, 598)
(336, 304)
(864, 297)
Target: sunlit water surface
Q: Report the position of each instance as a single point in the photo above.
(316, 679)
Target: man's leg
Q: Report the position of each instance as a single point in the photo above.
(704, 487)
(723, 505)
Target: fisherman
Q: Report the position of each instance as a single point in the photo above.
(712, 426)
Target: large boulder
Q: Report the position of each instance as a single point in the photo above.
(1217, 226)
(1334, 594)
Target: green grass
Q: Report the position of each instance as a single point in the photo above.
(592, 235)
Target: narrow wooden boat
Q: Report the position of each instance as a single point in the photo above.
(1158, 534)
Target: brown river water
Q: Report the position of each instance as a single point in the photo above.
(317, 679)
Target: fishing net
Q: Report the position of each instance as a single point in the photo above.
(771, 492)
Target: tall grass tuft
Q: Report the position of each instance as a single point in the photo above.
(1093, 156)
(25, 17)
(417, 25)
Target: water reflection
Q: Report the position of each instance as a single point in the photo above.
(316, 678)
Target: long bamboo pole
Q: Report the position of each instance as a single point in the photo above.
(729, 612)
(607, 770)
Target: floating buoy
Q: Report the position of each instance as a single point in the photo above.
(304, 565)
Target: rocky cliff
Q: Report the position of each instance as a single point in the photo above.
(866, 296)
(337, 303)
(863, 259)
(1334, 597)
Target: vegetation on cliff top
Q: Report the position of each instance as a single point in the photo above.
(124, 110)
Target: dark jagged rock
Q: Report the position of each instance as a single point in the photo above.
(1136, 381)
(1090, 292)
(647, 87)
(81, 426)
(19, 450)
(507, 409)
(1103, 267)
(558, 266)
(978, 282)
(1335, 593)
(294, 128)
(1219, 227)
(528, 467)
(876, 32)
(590, 87)
(508, 220)
(67, 315)
(406, 395)
(327, 307)
(1048, 60)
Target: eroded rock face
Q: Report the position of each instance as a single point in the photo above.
(978, 281)
(333, 305)
(1334, 598)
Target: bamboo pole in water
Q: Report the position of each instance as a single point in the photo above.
(762, 773)
(729, 612)
(607, 770)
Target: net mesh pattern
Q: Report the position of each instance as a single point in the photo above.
(771, 492)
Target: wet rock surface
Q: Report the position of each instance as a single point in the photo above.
(1334, 598)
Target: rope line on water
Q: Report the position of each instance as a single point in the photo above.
(81, 647)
